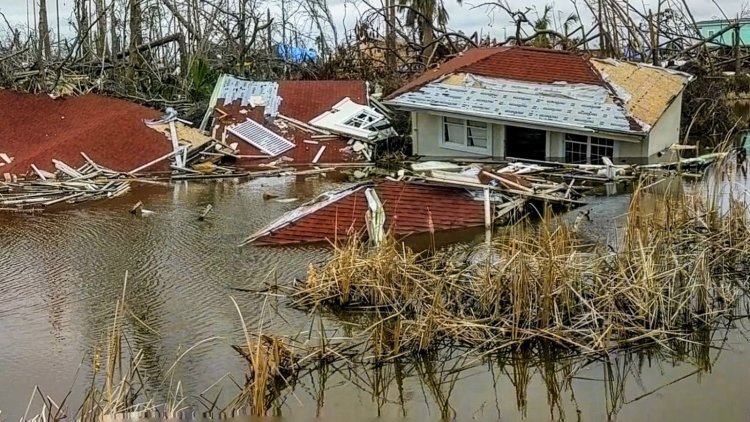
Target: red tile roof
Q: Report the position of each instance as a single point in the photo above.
(301, 100)
(304, 100)
(537, 65)
(410, 208)
(516, 63)
(37, 129)
(451, 66)
(303, 153)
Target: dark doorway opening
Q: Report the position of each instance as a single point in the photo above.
(521, 142)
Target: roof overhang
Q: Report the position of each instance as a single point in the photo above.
(626, 136)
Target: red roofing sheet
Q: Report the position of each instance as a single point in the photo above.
(37, 129)
(516, 63)
(303, 153)
(410, 208)
(537, 65)
(451, 66)
(304, 100)
(301, 100)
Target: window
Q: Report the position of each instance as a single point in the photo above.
(363, 119)
(576, 149)
(580, 149)
(601, 147)
(711, 33)
(460, 133)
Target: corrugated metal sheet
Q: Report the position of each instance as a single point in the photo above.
(557, 105)
(410, 208)
(234, 89)
(262, 138)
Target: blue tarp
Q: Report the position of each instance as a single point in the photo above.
(296, 54)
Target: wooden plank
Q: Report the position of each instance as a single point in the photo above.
(319, 154)
(66, 169)
(151, 163)
(38, 172)
(175, 144)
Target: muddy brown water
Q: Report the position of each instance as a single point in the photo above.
(61, 274)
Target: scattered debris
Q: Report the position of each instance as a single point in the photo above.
(87, 183)
(208, 209)
(136, 207)
(274, 118)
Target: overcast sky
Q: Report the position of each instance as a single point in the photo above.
(462, 17)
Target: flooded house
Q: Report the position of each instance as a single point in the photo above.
(297, 122)
(542, 104)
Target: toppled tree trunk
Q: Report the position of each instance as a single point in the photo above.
(148, 46)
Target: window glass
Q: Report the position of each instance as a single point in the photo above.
(601, 147)
(467, 133)
(455, 131)
(476, 134)
(576, 149)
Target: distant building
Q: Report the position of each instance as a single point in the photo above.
(544, 105)
(712, 27)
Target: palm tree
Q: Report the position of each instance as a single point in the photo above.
(542, 24)
(426, 15)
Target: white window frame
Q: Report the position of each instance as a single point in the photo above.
(465, 147)
(365, 117)
(588, 146)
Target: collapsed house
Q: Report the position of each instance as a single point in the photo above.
(297, 122)
(38, 129)
(409, 207)
(542, 104)
(432, 197)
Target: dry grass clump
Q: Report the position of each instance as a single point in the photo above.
(270, 364)
(678, 266)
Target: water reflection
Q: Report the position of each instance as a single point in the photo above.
(542, 382)
(62, 274)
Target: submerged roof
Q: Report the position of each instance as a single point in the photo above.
(37, 129)
(301, 100)
(546, 87)
(649, 90)
(304, 100)
(273, 106)
(410, 208)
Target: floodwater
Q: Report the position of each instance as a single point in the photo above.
(62, 273)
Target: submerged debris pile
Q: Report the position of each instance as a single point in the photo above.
(671, 273)
(87, 183)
